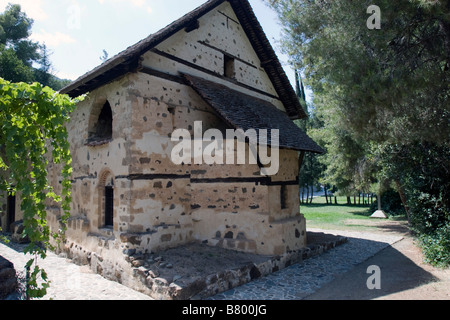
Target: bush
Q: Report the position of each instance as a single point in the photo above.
(436, 247)
(431, 221)
(428, 212)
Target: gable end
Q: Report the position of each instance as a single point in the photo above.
(129, 60)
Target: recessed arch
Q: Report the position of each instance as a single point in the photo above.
(100, 128)
(106, 178)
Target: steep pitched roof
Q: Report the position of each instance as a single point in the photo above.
(128, 60)
(241, 111)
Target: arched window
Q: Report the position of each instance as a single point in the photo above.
(284, 197)
(106, 197)
(109, 207)
(100, 124)
(11, 212)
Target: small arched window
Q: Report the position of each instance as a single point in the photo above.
(11, 212)
(109, 207)
(106, 200)
(284, 197)
(101, 125)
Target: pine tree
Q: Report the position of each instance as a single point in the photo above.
(19, 55)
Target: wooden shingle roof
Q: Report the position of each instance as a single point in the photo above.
(128, 60)
(241, 111)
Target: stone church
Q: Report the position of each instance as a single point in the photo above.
(216, 66)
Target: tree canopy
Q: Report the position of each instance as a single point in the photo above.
(398, 76)
(21, 59)
(382, 94)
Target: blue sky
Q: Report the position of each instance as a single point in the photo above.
(77, 31)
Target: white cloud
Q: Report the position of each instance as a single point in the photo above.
(65, 75)
(137, 3)
(33, 8)
(52, 39)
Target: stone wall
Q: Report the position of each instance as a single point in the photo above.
(8, 278)
(158, 205)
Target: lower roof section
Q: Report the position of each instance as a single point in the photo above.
(242, 111)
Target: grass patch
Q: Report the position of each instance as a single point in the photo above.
(340, 216)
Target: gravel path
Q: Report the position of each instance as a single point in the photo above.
(301, 280)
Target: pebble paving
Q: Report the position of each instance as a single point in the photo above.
(301, 280)
(71, 282)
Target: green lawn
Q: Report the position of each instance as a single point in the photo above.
(341, 216)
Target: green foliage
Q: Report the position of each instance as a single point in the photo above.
(33, 133)
(32, 118)
(422, 169)
(381, 94)
(2, 237)
(387, 85)
(18, 54)
(12, 68)
(436, 247)
(37, 283)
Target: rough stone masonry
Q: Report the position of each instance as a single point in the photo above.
(214, 66)
(8, 278)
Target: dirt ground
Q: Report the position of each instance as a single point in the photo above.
(404, 276)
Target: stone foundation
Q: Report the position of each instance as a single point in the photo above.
(8, 278)
(193, 271)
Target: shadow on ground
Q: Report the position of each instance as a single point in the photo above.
(398, 274)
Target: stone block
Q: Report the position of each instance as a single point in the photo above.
(8, 278)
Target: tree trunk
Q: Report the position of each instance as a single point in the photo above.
(403, 198)
(349, 200)
(326, 194)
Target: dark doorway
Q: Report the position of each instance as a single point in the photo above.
(109, 207)
(11, 212)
